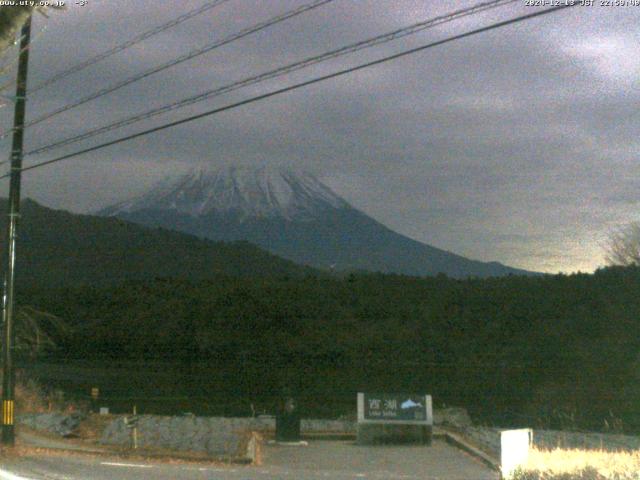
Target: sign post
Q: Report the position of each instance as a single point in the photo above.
(397, 418)
(95, 394)
(132, 424)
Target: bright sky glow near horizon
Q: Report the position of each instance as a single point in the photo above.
(518, 145)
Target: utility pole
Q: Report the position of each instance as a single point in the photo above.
(8, 337)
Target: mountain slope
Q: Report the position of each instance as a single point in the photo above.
(56, 248)
(294, 216)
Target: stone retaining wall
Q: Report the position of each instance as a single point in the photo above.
(62, 424)
(214, 436)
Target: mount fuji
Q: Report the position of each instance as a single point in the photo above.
(292, 215)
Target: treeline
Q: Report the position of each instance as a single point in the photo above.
(58, 246)
(552, 351)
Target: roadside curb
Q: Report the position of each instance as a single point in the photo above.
(141, 454)
(45, 442)
(331, 436)
(459, 442)
(135, 454)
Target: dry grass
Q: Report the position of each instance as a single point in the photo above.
(92, 427)
(252, 446)
(566, 464)
(30, 397)
(33, 398)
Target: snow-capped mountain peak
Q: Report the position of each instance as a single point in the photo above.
(292, 215)
(246, 192)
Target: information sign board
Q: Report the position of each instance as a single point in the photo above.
(399, 408)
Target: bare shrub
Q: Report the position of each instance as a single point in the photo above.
(623, 246)
(31, 397)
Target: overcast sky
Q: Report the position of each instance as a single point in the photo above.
(519, 145)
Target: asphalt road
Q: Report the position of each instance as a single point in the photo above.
(318, 460)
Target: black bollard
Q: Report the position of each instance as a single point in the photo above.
(288, 422)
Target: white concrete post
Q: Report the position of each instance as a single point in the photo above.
(514, 450)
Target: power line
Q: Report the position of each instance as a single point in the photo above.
(351, 48)
(298, 85)
(130, 43)
(183, 58)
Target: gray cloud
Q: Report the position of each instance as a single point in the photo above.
(518, 145)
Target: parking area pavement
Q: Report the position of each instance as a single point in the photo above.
(344, 459)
